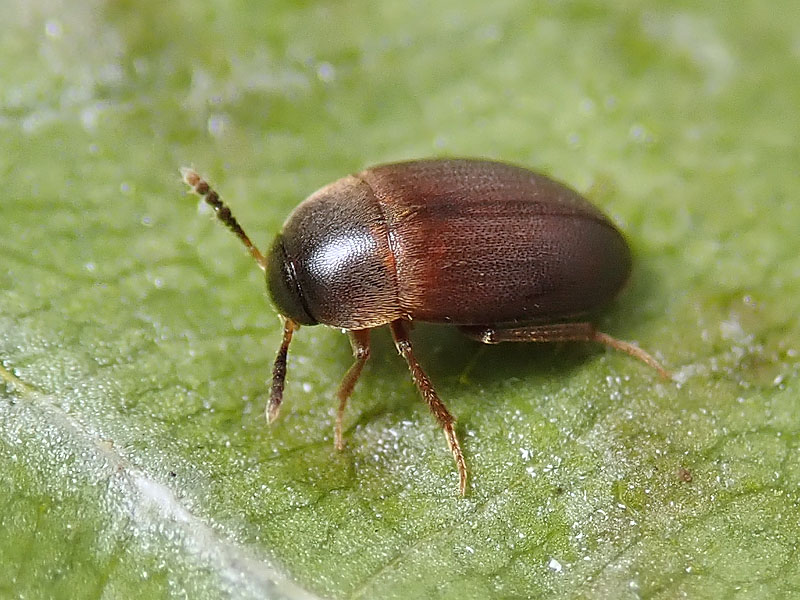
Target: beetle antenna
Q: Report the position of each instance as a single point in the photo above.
(201, 188)
(279, 371)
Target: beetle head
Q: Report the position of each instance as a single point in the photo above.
(283, 287)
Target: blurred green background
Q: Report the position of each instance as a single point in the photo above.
(136, 339)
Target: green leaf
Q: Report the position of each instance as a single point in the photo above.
(136, 339)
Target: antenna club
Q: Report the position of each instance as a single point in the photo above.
(190, 176)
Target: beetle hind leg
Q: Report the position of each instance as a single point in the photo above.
(359, 340)
(403, 344)
(561, 332)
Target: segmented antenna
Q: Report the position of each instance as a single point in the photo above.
(201, 188)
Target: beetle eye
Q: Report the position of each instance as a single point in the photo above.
(282, 285)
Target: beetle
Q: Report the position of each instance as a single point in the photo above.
(502, 252)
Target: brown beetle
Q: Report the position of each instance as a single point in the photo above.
(506, 254)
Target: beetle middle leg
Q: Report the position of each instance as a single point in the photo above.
(403, 344)
(560, 332)
(359, 340)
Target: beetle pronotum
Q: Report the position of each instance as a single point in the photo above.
(506, 254)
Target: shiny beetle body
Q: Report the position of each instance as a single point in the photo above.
(467, 242)
(506, 254)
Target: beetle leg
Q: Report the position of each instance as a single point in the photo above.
(560, 332)
(359, 340)
(437, 407)
(279, 371)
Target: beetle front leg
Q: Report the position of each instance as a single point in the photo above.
(560, 332)
(279, 371)
(437, 407)
(359, 340)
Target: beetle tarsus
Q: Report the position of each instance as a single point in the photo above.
(458, 456)
(631, 350)
(359, 340)
(437, 407)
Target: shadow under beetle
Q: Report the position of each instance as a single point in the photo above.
(505, 254)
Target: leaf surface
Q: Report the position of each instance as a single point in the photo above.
(136, 338)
